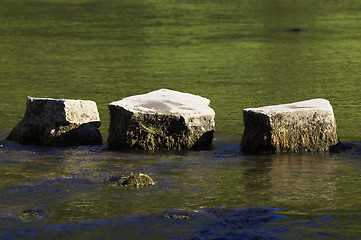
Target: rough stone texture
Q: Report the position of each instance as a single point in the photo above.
(295, 127)
(161, 120)
(132, 180)
(61, 122)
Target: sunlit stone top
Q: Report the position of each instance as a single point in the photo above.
(63, 110)
(313, 104)
(166, 101)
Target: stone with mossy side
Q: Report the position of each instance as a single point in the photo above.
(296, 127)
(58, 122)
(133, 180)
(161, 120)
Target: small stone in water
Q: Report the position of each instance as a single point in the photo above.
(133, 180)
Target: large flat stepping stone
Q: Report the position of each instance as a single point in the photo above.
(295, 127)
(62, 122)
(162, 119)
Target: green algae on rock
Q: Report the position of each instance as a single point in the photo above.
(133, 180)
(295, 127)
(33, 214)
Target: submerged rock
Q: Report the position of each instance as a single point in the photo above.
(244, 217)
(294, 30)
(301, 126)
(33, 214)
(132, 180)
(162, 119)
(62, 122)
(345, 146)
(181, 214)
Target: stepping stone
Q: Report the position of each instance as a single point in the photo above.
(161, 120)
(62, 122)
(295, 127)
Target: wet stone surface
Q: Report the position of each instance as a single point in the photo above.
(33, 214)
(133, 180)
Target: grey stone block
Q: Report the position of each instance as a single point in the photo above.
(161, 120)
(295, 127)
(61, 122)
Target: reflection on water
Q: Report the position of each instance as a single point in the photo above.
(238, 54)
(67, 184)
(307, 181)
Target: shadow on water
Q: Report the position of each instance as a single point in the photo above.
(217, 223)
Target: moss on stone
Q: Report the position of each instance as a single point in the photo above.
(133, 180)
(289, 132)
(160, 120)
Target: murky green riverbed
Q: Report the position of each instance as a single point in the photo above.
(236, 53)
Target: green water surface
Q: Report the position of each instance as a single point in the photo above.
(238, 54)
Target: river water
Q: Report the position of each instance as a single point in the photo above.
(238, 54)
